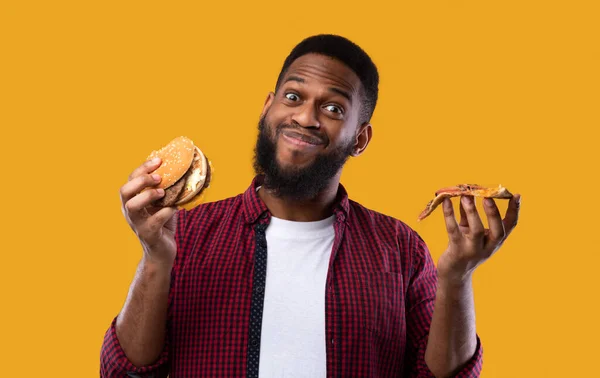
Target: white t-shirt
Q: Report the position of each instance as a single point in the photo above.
(293, 325)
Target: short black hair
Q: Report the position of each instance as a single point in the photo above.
(351, 55)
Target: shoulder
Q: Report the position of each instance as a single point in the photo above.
(400, 242)
(210, 212)
(389, 230)
(196, 226)
(373, 220)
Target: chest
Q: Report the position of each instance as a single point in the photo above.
(361, 304)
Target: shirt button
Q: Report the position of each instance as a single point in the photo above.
(260, 289)
(332, 341)
(254, 342)
(264, 215)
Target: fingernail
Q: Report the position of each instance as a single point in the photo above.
(156, 177)
(465, 201)
(155, 160)
(489, 202)
(160, 191)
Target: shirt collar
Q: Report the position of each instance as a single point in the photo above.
(255, 208)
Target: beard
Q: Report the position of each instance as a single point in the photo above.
(297, 183)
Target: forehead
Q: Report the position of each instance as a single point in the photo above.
(326, 70)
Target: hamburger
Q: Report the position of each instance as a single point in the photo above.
(185, 173)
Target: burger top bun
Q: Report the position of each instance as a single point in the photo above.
(176, 158)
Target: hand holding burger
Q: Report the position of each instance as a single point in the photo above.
(173, 177)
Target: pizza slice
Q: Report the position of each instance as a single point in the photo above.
(463, 190)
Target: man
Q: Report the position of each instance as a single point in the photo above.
(291, 278)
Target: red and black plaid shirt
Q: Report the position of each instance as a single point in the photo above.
(379, 297)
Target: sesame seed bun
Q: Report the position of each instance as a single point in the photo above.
(176, 158)
(185, 173)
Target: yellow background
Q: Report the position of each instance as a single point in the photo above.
(487, 92)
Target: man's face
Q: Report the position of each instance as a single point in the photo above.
(309, 127)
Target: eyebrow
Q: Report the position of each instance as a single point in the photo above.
(331, 89)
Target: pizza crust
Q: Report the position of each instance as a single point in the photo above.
(463, 190)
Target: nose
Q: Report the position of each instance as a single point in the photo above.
(306, 116)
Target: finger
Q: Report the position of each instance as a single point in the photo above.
(150, 230)
(451, 225)
(494, 219)
(160, 218)
(512, 213)
(147, 167)
(463, 216)
(475, 225)
(136, 207)
(137, 185)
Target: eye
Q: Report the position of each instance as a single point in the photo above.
(292, 97)
(334, 109)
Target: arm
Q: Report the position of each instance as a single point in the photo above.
(136, 343)
(432, 326)
(452, 339)
(141, 325)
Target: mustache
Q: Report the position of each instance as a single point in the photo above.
(310, 136)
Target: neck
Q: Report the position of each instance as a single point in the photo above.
(309, 210)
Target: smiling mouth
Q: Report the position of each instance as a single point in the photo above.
(301, 139)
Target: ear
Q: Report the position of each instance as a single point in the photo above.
(363, 137)
(267, 105)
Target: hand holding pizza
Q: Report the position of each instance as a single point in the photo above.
(470, 244)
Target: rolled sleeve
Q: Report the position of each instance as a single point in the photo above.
(472, 369)
(114, 362)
